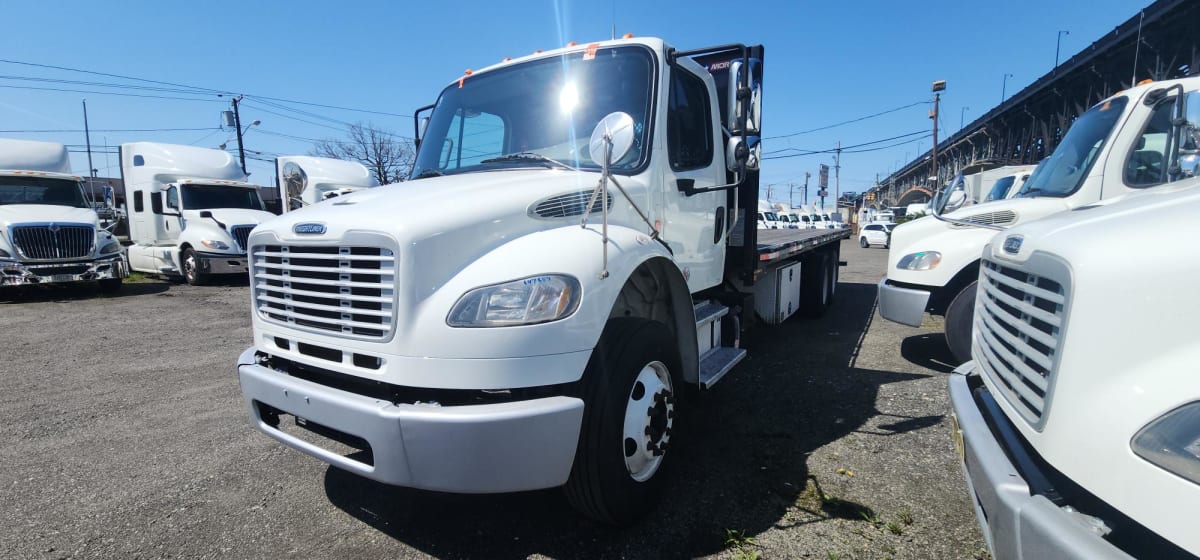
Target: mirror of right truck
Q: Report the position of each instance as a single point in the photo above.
(616, 128)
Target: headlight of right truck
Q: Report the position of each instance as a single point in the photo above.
(924, 260)
(1172, 442)
(525, 301)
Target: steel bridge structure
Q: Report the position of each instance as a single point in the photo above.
(1160, 42)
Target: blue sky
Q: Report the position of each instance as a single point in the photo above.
(826, 62)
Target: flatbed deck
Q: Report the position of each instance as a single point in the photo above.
(776, 244)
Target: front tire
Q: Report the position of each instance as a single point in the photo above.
(862, 242)
(191, 268)
(630, 391)
(959, 317)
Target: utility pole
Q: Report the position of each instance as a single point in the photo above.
(791, 195)
(806, 176)
(1004, 87)
(87, 136)
(837, 175)
(237, 124)
(938, 87)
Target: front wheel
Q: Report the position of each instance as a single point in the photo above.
(959, 317)
(862, 242)
(630, 391)
(191, 268)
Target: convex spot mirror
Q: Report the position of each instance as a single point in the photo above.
(616, 127)
(955, 201)
(739, 152)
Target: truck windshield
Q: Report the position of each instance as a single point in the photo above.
(209, 197)
(1064, 171)
(1000, 189)
(41, 190)
(541, 109)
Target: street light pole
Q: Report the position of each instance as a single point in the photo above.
(938, 87)
(1004, 88)
(961, 114)
(1057, 46)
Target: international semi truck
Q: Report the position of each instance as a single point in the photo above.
(1078, 420)
(190, 210)
(1125, 144)
(50, 232)
(600, 268)
(306, 180)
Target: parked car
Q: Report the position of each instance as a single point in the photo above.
(876, 234)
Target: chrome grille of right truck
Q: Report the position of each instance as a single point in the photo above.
(1018, 325)
(348, 290)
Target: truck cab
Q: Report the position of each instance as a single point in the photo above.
(1078, 418)
(1125, 144)
(307, 180)
(598, 272)
(190, 210)
(49, 231)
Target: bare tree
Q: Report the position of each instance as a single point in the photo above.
(389, 157)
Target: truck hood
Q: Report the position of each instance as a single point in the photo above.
(13, 214)
(230, 216)
(960, 245)
(445, 222)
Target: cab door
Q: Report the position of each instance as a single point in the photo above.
(694, 222)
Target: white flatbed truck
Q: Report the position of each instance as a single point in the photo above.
(549, 332)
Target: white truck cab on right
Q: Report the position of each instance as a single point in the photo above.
(1078, 421)
(1125, 144)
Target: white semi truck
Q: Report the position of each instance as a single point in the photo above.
(1125, 144)
(190, 210)
(550, 332)
(49, 231)
(307, 180)
(1078, 421)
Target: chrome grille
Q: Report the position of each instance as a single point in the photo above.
(567, 205)
(241, 234)
(52, 241)
(1018, 325)
(344, 289)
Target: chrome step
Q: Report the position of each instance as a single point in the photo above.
(708, 312)
(717, 362)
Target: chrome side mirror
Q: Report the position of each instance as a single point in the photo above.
(611, 139)
(748, 101)
(955, 201)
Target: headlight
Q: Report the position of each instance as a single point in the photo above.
(1172, 442)
(925, 260)
(113, 246)
(218, 245)
(536, 299)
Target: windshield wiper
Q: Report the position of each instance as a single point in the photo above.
(427, 173)
(530, 157)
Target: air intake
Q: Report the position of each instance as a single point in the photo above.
(567, 205)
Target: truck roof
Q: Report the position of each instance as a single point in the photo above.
(32, 155)
(653, 42)
(46, 174)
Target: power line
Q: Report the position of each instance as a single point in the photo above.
(93, 92)
(199, 89)
(772, 155)
(863, 118)
(48, 130)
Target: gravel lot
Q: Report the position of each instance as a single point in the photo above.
(124, 436)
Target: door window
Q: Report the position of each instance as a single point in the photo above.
(1146, 165)
(689, 124)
